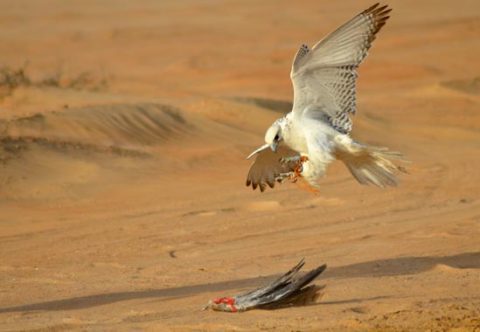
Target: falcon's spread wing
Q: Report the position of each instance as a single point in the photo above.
(267, 167)
(324, 77)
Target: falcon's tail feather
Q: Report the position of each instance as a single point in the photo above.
(370, 164)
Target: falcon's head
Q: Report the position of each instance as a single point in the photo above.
(273, 136)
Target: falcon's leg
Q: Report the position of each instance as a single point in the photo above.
(297, 169)
(282, 177)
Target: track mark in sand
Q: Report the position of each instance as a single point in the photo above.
(108, 264)
(324, 201)
(138, 317)
(262, 206)
(318, 202)
(359, 310)
(201, 213)
(430, 235)
(470, 86)
(207, 213)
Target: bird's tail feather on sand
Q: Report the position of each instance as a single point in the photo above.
(370, 164)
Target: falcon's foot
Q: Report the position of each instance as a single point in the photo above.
(297, 169)
(282, 177)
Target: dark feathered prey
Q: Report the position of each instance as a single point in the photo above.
(290, 289)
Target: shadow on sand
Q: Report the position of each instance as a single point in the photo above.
(378, 268)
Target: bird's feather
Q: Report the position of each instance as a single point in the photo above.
(324, 77)
(292, 288)
(295, 284)
(320, 146)
(267, 167)
(278, 283)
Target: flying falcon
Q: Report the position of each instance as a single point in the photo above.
(316, 132)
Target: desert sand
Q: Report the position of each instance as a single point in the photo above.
(124, 127)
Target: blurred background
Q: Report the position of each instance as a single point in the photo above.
(124, 127)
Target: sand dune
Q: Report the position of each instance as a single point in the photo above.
(123, 204)
(116, 125)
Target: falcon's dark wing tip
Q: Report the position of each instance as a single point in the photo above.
(371, 8)
(378, 15)
(375, 9)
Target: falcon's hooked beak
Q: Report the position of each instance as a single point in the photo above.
(272, 146)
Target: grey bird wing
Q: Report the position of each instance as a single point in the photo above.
(292, 288)
(267, 167)
(281, 281)
(288, 287)
(324, 77)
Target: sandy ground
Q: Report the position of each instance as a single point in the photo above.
(124, 127)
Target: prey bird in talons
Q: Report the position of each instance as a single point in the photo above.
(316, 132)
